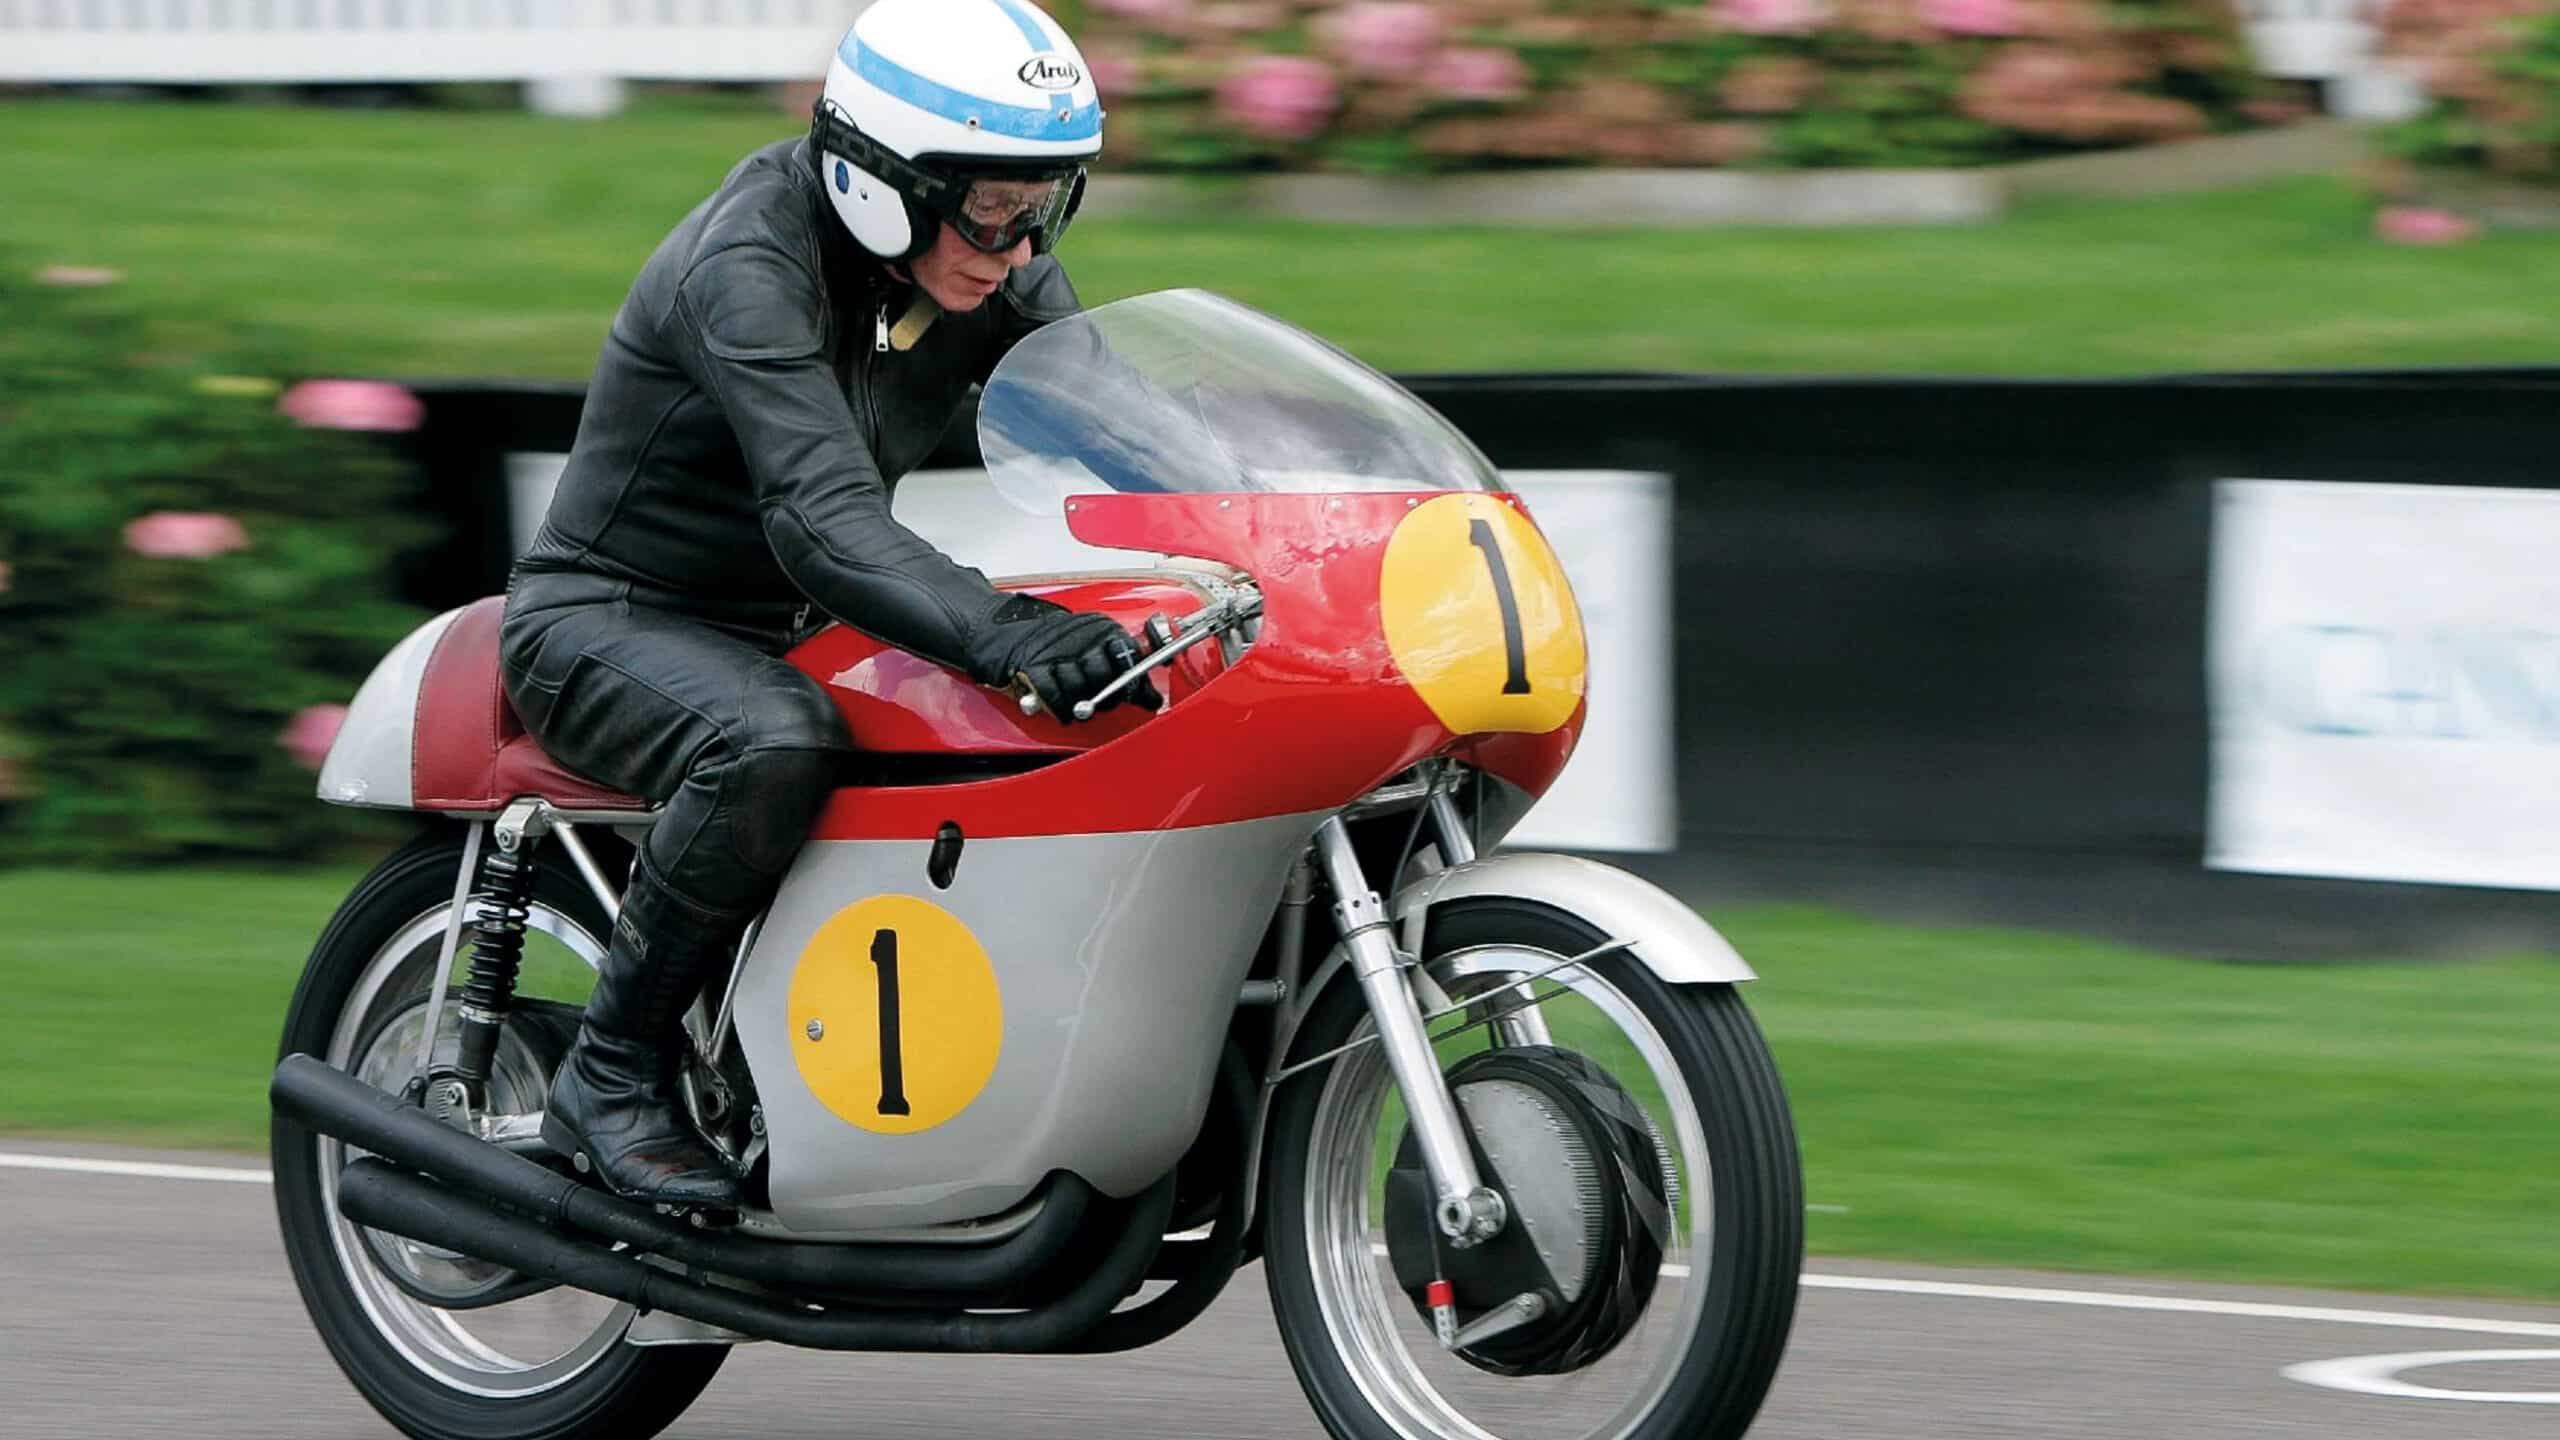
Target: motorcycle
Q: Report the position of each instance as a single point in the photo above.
(1052, 1028)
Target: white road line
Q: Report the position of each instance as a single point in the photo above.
(2110, 1300)
(139, 1169)
(2380, 1375)
(1873, 1284)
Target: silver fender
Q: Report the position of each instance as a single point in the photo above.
(1670, 937)
(1666, 936)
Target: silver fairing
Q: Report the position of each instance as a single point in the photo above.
(368, 764)
(1117, 958)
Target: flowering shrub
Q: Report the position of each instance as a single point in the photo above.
(190, 584)
(1404, 85)
(2492, 70)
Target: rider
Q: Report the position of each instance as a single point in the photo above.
(794, 346)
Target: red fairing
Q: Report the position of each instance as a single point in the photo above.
(1531, 762)
(1313, 716)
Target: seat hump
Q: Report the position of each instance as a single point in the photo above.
(470, 752)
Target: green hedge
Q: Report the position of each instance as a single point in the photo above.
(2492, 73)
(1761, 84)
(190, 583)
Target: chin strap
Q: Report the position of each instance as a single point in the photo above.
(912, 325)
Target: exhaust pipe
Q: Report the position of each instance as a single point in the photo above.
(372, 1192)
(333, 1103)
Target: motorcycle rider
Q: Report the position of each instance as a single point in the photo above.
(796, 344)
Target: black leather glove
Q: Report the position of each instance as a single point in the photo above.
(1066, 655)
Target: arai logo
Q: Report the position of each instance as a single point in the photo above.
(1050, 70)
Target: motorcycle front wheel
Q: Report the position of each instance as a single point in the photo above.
(1665, 1317)
(504, 1359)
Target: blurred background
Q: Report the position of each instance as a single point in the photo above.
(2064, 493)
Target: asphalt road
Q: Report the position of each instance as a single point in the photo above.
(135, 1305)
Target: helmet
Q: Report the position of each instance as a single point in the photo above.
(975, 112)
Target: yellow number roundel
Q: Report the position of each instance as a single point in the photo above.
(1480, 619)
(895, 1017)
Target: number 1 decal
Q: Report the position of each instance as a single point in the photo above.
(1514, 650)
(873, 964)
(893, 1063)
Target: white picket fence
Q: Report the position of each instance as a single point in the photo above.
(182, 42)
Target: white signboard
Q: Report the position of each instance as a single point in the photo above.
(1611, 528)
(2311, 39)
(2385, 679)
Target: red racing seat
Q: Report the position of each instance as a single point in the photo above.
(469, 751)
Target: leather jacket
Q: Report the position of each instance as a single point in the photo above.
(749, 419)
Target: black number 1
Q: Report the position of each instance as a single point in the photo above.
(1513, 650)
(893, 1066)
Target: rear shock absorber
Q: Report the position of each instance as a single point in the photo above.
(501, 903)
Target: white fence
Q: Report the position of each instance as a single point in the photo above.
(286, 41)
(184, 42)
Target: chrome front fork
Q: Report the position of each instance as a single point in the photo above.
(1467, 1211)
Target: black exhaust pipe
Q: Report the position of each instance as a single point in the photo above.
(1199, 1269)
(372, 1192)
(334, 1103)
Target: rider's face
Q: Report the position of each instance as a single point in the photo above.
(959, 276)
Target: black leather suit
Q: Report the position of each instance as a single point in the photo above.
(730, 484)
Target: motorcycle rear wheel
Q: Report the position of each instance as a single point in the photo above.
(1699, 1359)
(548, 1367)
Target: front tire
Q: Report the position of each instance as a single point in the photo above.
(549, 1367)
(1700, 1360)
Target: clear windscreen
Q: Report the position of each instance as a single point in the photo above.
(1185, 391)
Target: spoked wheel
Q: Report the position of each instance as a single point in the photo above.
(445, 1346)
(1640, 1136)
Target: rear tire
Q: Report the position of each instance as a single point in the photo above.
(1709, 1380)
(611, 1389)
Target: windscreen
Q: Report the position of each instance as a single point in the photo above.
(1187, 391)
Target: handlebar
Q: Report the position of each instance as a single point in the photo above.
(1166, 643)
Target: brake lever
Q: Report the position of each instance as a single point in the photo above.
(1190, 631)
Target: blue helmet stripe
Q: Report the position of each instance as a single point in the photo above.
(1021, 16)
(1022, 122)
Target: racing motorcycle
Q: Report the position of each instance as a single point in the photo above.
(1054, 1027)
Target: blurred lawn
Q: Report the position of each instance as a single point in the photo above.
(1976, 1096)
(498, 243)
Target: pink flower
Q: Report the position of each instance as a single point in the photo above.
(1478, 74)
(1972, 17)
(2421, 225)
(1771, 85)
(78, 275)
(1383, 39)
(1145, 12)
(352, 405)
(1770, 17)
(312, 731)
(1244, 17)
(1279, 97)
(184, 535)
(1111, 72)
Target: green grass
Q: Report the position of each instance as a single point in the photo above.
(1971, 1096)
(496, 243)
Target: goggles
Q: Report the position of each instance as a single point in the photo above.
(994, 207)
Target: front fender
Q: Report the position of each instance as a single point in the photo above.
(1664, 935)
(1672, 940)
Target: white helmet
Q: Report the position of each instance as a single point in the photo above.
(976, 112)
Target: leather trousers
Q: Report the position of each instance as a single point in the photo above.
(697, 712)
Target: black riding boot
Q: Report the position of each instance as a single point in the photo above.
(615, 1100)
